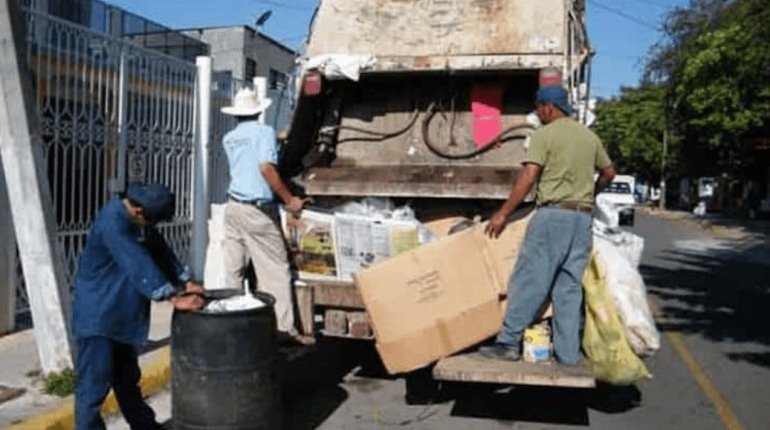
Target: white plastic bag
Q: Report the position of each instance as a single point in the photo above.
(628, 244)
(214, 273)
(235, 303)
(341, 66)
(619, 252)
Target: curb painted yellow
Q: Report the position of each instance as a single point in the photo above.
(155, 376)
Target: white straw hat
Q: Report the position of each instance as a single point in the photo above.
(247, 103)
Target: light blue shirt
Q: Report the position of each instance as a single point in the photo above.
(248, 146)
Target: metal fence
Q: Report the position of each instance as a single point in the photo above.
(112, 112)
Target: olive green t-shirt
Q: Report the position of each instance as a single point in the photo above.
(569, 154)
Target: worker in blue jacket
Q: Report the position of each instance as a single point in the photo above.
(125, 264)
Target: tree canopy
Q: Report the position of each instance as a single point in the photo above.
(631, 127)
(708, 79)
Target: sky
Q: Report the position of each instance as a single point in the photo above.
(620, 31)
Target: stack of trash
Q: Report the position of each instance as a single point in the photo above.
(619, 327)
(335, 242)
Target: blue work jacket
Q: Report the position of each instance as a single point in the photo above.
(121, 269)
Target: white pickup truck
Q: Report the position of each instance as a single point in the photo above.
(616, 203)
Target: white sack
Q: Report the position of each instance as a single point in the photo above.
(620, 253)
(214, 275)
(628, 244)
(340, 66)
(236, 303)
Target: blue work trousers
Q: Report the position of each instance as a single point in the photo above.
(103, 363)
(552, 260)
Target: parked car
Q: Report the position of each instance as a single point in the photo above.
(616, 203)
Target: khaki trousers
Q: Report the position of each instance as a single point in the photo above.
(252, 235)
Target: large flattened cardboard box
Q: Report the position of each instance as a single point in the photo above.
(432, 301)
(504, 250)
(440, 298)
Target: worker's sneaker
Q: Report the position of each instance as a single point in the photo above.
(500, 351)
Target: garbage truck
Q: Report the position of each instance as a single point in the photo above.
(427, 103)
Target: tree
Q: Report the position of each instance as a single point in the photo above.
(631, 127)
(721, 90)
(714, 60)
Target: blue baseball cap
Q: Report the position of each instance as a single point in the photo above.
(555, 95)
(156, 200)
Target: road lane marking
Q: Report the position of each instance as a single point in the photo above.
(723, 409)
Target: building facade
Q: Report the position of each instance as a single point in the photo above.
(240, 53)
(115, 22)
(246, 53)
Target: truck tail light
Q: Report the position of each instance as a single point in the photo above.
(311, 84)
(549, 77)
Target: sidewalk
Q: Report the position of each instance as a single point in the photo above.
(20, 368)
(719, 226)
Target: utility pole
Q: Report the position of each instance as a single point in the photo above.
(663, 170)
(21, 151)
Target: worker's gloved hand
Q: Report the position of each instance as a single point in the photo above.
(188, 302)
(194, 287)
(496, 224)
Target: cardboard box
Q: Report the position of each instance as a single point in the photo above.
(442, 297)
(504, 250)
(433, 301)
(441, 227)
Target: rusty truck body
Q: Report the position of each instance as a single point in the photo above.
(384, 96)
(403, 129)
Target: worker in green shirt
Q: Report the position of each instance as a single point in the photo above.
(562, 158)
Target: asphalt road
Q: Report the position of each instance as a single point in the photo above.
(712, 372)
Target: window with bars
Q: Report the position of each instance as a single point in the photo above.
(277, 79)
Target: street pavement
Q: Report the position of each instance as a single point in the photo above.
(712, 299)
(20, 367)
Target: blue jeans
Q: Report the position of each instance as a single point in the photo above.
(102, 364)
(552, 260)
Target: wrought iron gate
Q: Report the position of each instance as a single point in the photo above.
(110, 112)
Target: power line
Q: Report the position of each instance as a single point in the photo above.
(655, 3)
(281, 5)
(623, 15)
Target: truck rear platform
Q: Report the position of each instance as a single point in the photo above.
(472, 367)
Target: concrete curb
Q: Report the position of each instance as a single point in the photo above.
(155, 376)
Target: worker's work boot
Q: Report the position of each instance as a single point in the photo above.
(500, 351)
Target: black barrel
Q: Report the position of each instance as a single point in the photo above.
(223, 369)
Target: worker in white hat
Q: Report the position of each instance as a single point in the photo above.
(251, 212)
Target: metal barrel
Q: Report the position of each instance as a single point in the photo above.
(224, 372)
